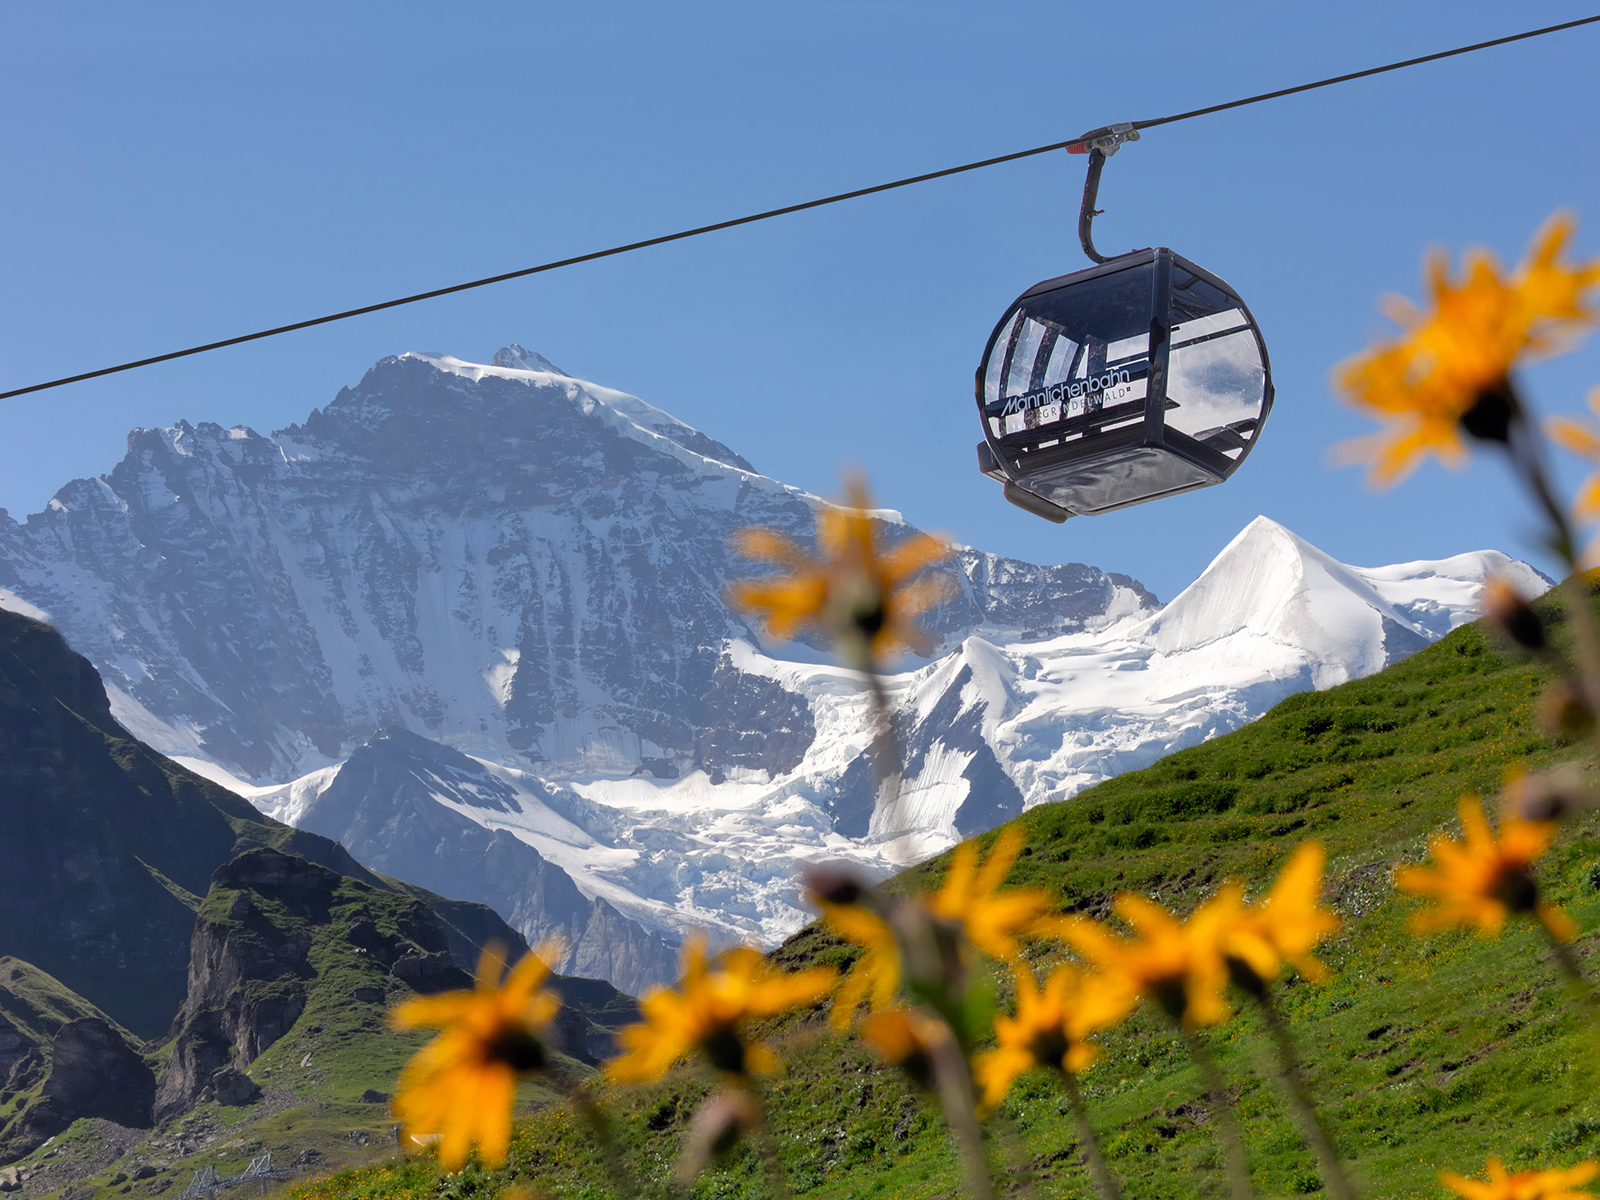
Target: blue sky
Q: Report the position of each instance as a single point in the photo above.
(180, 173)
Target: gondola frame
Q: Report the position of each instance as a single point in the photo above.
(1168, 460)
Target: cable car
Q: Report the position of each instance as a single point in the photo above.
(1140, 377)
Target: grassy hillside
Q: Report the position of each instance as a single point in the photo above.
(1425, 1054)
(323, 1084)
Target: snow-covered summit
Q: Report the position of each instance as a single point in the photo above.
(518, 359)
(1270, 584)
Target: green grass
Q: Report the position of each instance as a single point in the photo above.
(1424, 1053)
(313, 1077)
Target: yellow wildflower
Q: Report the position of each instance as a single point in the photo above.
(1177, 965)
(1583, 439)
(856, 591)
(968, 902)
(461, 1085)
(970, 896)
(905, 1038)
(875, 977)
(709, 1008)
(1482, 879)
(1287, 925)
(1523, 1185)
(1048, 1031)
(1451, 369)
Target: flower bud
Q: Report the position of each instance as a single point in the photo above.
(1563, 711)
(1547, 795)
(715, 1129)
(907, 1039)
(832, 884)
(1503, 605)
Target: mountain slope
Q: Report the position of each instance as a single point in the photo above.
(396, 804)
(1423, 1054)
(986, 732)
(106, 846)
(266, 954)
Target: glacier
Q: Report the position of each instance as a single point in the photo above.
(468, 619)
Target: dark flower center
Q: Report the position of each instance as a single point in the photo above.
(1516, 890)
(1489, 419)
(518, 1049)
(1049, 1047)
(724, 1049)
(869, 618)
(1244, 978)
(1170, 996)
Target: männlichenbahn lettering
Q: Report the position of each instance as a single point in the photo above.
(1071, 389)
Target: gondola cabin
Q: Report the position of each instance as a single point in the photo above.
(1142, 377)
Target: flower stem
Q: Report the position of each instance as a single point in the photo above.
(1227, 1126)
(954, 1082)
(601, 1128)
(1292, 1076)
(1104, 1182)
(777, 1181)
(1529, 463)
(1568, 961)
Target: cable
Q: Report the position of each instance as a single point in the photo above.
(1410, 62)
(770, 213)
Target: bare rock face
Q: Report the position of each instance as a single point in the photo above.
(270, 917)
(93, 1072)
(504, 559)
(250, 969)
(501, 553)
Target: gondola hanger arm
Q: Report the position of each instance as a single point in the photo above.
(1099, 145)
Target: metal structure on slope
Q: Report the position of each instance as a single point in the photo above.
(1140, 377)
(206, 1185)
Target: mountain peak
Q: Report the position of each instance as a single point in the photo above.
(515, 358)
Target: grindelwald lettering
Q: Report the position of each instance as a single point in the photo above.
(1075, 389)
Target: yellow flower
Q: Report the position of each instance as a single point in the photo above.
(1583, 439)
(970, 896)
(875, 976)
(1523, 1185)
(856, 591)
(1481, 880)
(461, 1085)
(905, 1038)
(709, 1008)
(1287, 925)
(1452, 367)
(1048, 1031)
(1178, 966)
(968, 902)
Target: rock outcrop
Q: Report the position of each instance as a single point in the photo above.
(393, 805)
(279, 939)
(251, 970)
(61, 1058)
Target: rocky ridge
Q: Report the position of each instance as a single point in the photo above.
(288, 942)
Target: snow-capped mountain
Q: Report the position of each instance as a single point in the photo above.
(502, 558)
(468, 620)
